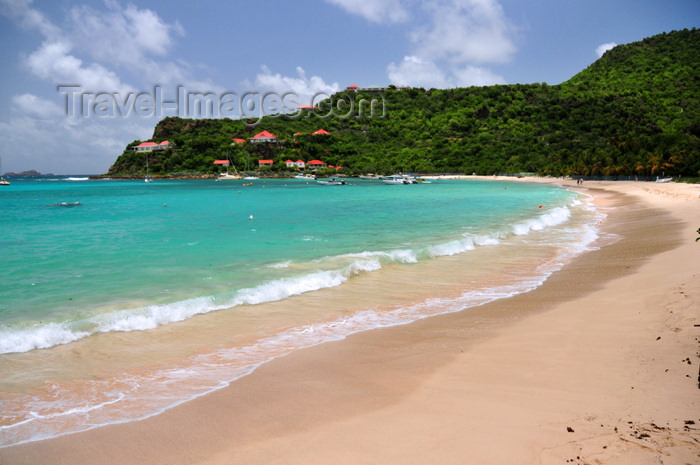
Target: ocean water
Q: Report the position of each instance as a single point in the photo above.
(120, 299)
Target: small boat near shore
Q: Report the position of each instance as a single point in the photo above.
(664, 179)
(331, 182)
(305, 177)
(398, 179)
(3, 181)
(227, 177)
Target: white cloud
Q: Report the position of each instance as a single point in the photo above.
(417, 72)
(604, 48)
(463, 31)
(28, 17)
(376, 11)
(52, 61)
(476, 76)
(302, 86)
(30, 104)
(452, 42)
(124, 36)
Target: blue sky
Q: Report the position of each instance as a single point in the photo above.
(306, 47)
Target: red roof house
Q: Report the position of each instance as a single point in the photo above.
(264, 136)
(316, 164)
(151, 146)
(239, 141)
(321, 132)
(265, 163)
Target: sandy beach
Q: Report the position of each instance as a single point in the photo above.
(597, 366)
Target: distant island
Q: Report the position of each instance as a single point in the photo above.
(633, 113)
(28, 173)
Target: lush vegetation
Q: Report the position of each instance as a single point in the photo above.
(633, 112)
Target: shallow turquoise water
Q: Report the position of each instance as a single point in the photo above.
(90, 294)
(130, 244)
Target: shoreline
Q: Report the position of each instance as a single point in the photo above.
(474, 386)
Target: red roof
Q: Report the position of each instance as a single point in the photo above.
(315, 162)
(354, 86)
(147, 144)
(239, 141)
(264, 135)
(221, 162)
(265, 162)
(300, 161)
(165, 142)
(322, 132)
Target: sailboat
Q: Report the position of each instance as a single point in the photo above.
(3, 181)
(226, 175)
(147, 178)
(249, 175)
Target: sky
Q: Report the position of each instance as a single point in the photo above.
(82, 79)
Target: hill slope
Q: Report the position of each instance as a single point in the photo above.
(635, 111)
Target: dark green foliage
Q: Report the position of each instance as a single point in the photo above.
(635, 111)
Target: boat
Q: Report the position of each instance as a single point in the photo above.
(64, 204)
(250, 178)
(3, 181)
(398, 179)
(664, 179)
(305, 177)
(147, 178)
(370, 176)
(331, 182)
(225, 176)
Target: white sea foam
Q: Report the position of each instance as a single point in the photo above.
(40, 337)
(554, 217)
(284, 264)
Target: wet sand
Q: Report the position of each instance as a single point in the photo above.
(598, 365)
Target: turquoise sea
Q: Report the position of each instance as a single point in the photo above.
(119, 298)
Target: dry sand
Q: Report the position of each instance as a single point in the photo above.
(597, 366)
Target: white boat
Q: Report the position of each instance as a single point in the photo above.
(370, 176)
(664, 179)
(305, 177)
(398, 179)
(147, 178)
(250, 178)
(331, 182)
(227, 177)
(3, 181)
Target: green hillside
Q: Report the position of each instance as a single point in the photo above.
(635, 111)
